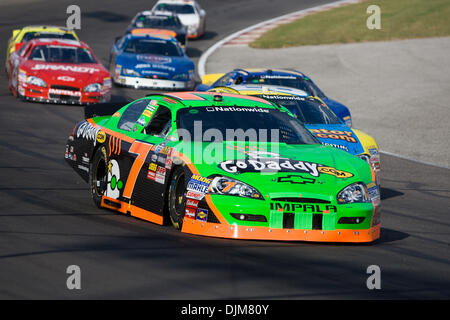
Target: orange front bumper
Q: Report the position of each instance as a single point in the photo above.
(266, 233)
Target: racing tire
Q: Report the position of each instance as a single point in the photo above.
(177, 197)
(98, 175)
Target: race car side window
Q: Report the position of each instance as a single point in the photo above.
(225, 80)
(120, 42)
(22, 50)
(131, 114)
(239, 79)
(161, 123)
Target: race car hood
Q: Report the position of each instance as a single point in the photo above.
(281, 168)
(155, 64)
(66, 73)
(338, 136)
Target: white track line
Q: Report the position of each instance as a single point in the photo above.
(214, 47)
(414, 160)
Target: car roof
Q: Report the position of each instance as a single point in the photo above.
(257, 89)
(61, 42)
(177, 1)
(268, 71)
(156, 13)
(186, 99)
(45, 27)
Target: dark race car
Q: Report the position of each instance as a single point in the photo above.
(150, 22)
(278, 77)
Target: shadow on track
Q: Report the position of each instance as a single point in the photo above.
(387, 193)
(389, 235)
(105, 109)
(107, 16)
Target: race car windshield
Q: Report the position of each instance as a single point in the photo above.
(233, 123)
(307, 110)
(176, 8)
(157, 22)
(288, 81)
(158, 47)
(39, 35)
(62, 54)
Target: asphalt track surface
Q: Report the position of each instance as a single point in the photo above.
(48, 221)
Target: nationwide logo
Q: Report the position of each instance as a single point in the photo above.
(152, 58)
(277, 77)
(238, 109)
(282, 97)
(64, 68)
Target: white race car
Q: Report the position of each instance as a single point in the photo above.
(189, 12)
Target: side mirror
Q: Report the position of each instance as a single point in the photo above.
(17, 46)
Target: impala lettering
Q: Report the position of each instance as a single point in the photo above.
(297, 207)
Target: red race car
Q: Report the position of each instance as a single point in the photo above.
(58, 71)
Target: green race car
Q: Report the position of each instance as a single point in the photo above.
(225, 165)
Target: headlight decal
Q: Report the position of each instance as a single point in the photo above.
(227, 186)
(36, 81)
(181, 76)
(354, 193)
(93, 87)
(130, 72)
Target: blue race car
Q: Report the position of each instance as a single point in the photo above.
(316, 117)
(278, 77)
(154, 61)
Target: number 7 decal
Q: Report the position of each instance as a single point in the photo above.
(141, 149)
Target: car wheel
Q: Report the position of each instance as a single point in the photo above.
(177, 197)
(98, 175)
